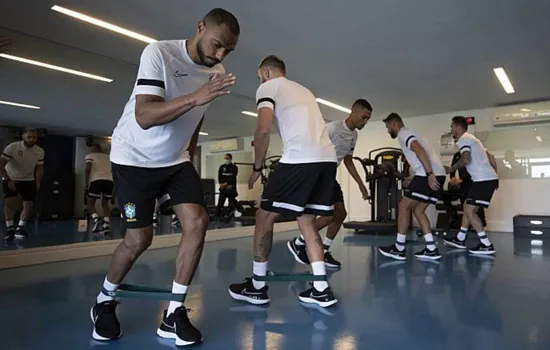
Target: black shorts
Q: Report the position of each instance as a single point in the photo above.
(337, 194)
(101, 188)
(27, 190)
(481, 192)
(296, 189)
(420, 190)
(137, 188)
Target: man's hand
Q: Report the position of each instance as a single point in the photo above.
(215, 87)
(253, 178)
(432, 181)
(5, 42)
(11, 185)
(455, 181)
(448, 169)
(364, 191)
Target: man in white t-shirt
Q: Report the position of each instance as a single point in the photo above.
(302, 185)
(343, 135)
(151, 150)
(22, 169)
(482, 167)
(99, 185)
(421, 191)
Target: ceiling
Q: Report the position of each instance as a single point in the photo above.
(413, 57)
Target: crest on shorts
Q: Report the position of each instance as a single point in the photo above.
(130, 211)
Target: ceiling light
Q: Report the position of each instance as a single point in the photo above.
(203, 133)
(252, 114)
(525, 110)
(51, 66)
(18, 105)
(504, 81)
(333, 105)
(539, 139)
(103, 24)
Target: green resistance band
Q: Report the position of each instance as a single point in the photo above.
(284, 277)
(141, 292)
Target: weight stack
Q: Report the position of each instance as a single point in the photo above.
(532, 226)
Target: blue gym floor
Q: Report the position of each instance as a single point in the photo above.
(461, 302)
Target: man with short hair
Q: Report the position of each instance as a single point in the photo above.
(482, 167)
(423, 189)
(302, 185)
(343, 135)
(227, 177)
(151, 152)
(99, 185)
(22, 169)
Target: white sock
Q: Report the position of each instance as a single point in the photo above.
(462, 233)
(176, 289)
(485, 240)
(21, 223)
(326, 243)
(300, 240)
(111, 287)
(9, 223)
(259, 269)
(106, 219)
(429, 238)
(401, 239)
(318, 268)
(95, 216)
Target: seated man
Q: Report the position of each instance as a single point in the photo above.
(423, 189)
(302, 185)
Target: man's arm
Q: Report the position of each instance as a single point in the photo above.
(261, 136)
(87, 172)
(465, 159)
(3, 172)
(220, 176)
(492, 160)
(348, 161)
(422, 155)
(39, 174)
(195, 139)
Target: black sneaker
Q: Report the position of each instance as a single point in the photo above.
(97, 226)
(428, 254)
(155, 221)
(298, 251)
(175, 221)
(330, 262)
(105, 227)
(177, 326)
(455, 242)
(392, 252)
(21, 233)
(106, 325)
(324, 298)
(482, 249)
(246, 292)
(10, 234)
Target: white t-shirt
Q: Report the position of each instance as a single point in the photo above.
(22, 160)
(101, 166)
(480, 168)
(343, 139)
(299, 120)
(165, 70)
(406, 137)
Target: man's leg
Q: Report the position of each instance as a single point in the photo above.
(105, 205)
(431, 251)
(485, 246)
(397, 251)
(9, 213)
(221, 203)
(28, 195)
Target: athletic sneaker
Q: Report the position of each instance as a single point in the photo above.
(298, 251)
(246, 292)
(105, 228)
(106, 325)
(155, 221)
(392, 252)
(482, 249)
(324, 298)
(21, 233)
(428, 254)
(10, 234)
(455, 242)
(97, 226)
(330, 262)
(177, 326)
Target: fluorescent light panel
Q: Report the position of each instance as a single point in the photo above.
(18, 105)
(525, 110)
(57, 68)
(504, 81)
(203, 133)
(539, 139)
(103, 24)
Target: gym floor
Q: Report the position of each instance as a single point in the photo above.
(461, 302)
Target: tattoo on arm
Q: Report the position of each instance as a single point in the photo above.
(266, 243)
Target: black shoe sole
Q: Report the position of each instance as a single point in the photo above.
(253, 301)
(389, 255)
(174, 336)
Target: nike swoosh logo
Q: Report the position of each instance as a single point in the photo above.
(178, 74)
(251, 293)
(318, 296)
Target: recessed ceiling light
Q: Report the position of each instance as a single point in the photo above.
(333, 105)
(504, 81)
(525, 110)
(103, 24)
(203, 133)
(19, 105)
(252, 114)
(539, 139)
(57, 68)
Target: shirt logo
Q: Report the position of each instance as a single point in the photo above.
(178, 74)
(130, 211)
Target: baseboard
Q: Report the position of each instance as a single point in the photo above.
(34, 256)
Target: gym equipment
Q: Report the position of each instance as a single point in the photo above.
(532, 226)
(280, 277)
(141, 292)
(389, 168)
